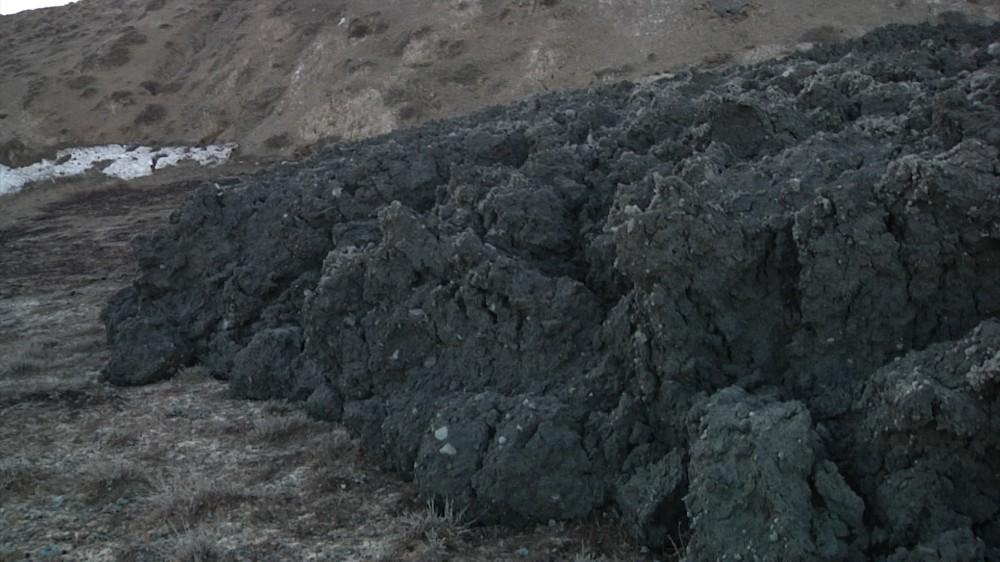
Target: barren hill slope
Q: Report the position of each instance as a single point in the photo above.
(274, 75)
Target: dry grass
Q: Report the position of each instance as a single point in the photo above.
(677, 543)
(111, 479)
(15, 474)
(115, 438)
(196, 546)
(428, 534)
(24, 359)
(585, 555)
(192, 375)
(273, 429)
(438, 523)
(184, 504)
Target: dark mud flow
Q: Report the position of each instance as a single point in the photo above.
(752, 309)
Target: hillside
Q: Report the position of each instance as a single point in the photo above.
(276, 75)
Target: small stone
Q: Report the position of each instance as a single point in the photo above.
(50, 552)
(449, 450)
(441, 433)
(523, 552)
(993, 49)
(729, 7)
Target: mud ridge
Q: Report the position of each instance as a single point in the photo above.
(752, 309)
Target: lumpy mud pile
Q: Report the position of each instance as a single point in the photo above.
(754, 311)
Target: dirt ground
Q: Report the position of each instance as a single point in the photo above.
(180, 470)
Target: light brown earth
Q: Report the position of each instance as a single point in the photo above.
(275, 75)
(178, 470)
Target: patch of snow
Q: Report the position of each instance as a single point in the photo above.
(113, 160)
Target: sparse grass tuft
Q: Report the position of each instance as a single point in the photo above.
(114, 479)
(586, 556)
(192, 374)
(15, 473)
(279, 429)
(184, 504)
(113, 437)
(24, 360)
(439, 525)
(197, 546)
(678, 543)
(140, 553)
(333, 444)
(278, 408)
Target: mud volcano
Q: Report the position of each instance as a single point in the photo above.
(756, 309)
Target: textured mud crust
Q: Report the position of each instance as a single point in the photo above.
(752, 308)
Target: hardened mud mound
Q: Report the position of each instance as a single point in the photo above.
(755, 312)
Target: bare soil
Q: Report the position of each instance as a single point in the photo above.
(180, 470)
(278, 75)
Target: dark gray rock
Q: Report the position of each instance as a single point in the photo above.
(263, 369)
(587, 288)
(927, 460)
(325, 403)
(142, 352)
(651, 501)
(762, 488)
(729, 7)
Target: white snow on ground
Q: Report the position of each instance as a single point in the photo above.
(113, 160)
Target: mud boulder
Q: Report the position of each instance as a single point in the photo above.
(762, 487)
(928, 462)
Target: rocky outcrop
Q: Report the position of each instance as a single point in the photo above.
(753, 306)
